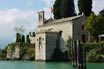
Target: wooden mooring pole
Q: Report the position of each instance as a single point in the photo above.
(78, 55)
(74, 54)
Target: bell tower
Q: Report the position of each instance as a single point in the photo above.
(40, 18)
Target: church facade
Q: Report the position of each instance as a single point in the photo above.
(53, 34)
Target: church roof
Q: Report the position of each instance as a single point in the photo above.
(51, 21)
(51, 30)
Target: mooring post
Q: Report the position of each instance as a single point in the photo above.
(72, 49)
(80, 55)
(78, 50)
(84, 57)
(74, 54)
(75, 47)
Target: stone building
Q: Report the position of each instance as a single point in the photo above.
(32, 39)
(53, 34)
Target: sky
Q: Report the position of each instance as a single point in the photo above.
(17, 13)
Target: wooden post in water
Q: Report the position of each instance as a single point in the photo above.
(75, 47)
(74, 54)
(84, 57)
(78, 52)
(78, 55)
(81, 56)
(72, 49)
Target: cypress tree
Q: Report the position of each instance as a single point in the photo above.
(23, 38)
(85, 6)
(18, 37)
(27, 39)
(57, 9)
(34, 34)
(68, 8)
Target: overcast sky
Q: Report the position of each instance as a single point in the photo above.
(15, 13)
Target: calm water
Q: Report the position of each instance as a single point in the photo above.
(43, 65)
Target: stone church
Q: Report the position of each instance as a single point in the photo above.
(52, 35)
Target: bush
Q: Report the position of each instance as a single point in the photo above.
(94, 51)
(68, 45)
(25, 51)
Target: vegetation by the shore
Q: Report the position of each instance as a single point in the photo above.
(95, 25)
(68, 45)
(3, 53)
(26, 52)
(95, 51)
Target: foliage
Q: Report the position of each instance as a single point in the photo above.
(95, 25)
(3, 53)
(63, 9)
(23, 38)
(26, 51)
(34, 34)
(68, 44)
(94, 55)
(27, 39)
(85, 6)
(91, 23)
(18, 37)
(20, 30)
(94, 51)
(57, 9)
(67, 8)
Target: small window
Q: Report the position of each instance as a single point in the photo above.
(43, 38)
(83, 28)
(37, 39)
(60, 33)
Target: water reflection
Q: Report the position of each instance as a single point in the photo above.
(43, 65)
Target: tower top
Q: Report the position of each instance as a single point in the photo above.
(40, 18)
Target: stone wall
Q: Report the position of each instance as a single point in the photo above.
(71, 27)
(15, 54)
(65, 27)
(77, 28)
(32, 39)
(40, 49)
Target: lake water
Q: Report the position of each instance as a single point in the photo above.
(43, 65)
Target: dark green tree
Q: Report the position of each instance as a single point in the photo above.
(68, 8)
(57, 9)
(91, 22)
(23, 38)
(34, 34)
(27, 39)
(18, 37)
(95, 25)
(85, 6)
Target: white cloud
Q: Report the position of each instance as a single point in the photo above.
(11, 18)
(47, 12)
(49, 2)
(98, 5)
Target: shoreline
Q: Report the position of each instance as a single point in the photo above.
(51, 61)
